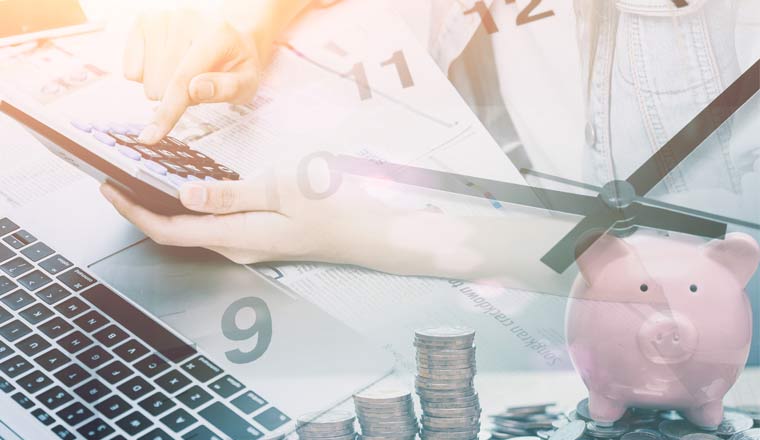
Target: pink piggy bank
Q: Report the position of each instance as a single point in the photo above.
(661, 323)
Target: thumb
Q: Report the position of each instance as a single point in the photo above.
(226, 197)
(237, 86)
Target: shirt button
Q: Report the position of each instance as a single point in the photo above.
(591, 136)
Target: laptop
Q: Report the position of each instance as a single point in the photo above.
(29, 20)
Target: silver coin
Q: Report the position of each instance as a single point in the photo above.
(431, 362)
(452, 412)
(750, 434)
(510, 429)
(437, 333)
(599, 431)
(445, 395)
(676, 429)
(501, 435)
(582, 411)
(314, 432)
(652, 432)
(640, 435)
(386, 396)
(529, 437)
(572, 431)
(467, 352)
(380, 432)
(670, 415)
(527, 410)
(394, 437)
(444, 375)
(461, 435)
(465, 402)
(322, 436)
(700, 436)
(337, 418)
(560, 423)
(734, 422)
(573, 415)
(544, 434)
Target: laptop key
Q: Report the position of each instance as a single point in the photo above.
(94, 357)
(201, 433)
(6, 285)
(16, 267)
(75, 414)
(232, 425)
(5, 351)
(23, 401)
(226, 386)
(55, 265)
(15, 366)
(35, 280)
(173, 381)
(43, 417)
(72, 307)
(54, 397)
(37, 252)
(91, 321)
(111, 336)
(202, 369)
(14, 330)
(33, 345)
(249, 402)
(14, 242)
(96, 430)
(76, 279)
(5, 253)
(178, 420)
(92, 391)
(6, 386)
(63, 433)
(72, 375)
(156, 434)
(131, 350)
(36, 314)
(17, 300)
(55, 327)
(113, 407)
(74, 342)
(272, 419)
(115, 372)
(5, 315)
(157, 403)
(52, 294)
(194, 397)
(136, 388)
(24, 237)
(151, 365)
(134, 423)
(7, 226)
(52, 360)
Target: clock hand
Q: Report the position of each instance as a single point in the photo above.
(647, 201)
(648, 175)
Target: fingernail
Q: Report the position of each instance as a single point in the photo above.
(149, 134)
(204, 90)
(107, 192)
(193, 195)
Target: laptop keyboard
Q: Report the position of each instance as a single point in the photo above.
(170, 159)
(88, 364)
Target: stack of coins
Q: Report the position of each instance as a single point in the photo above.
(530, 423)
(386, 415)
(445, 383)
(335, 425)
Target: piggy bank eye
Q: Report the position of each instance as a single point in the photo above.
(643, 287)
(693, 288)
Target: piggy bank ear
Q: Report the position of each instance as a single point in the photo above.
(604, 251)
(738, 252)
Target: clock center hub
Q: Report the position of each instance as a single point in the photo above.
(618, 194)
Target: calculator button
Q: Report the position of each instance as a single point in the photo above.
(17, 300)
(151, 365)
(113, 407)
(115, 372)
(72, 375)
(134, 423)
(75, 342)
(177, 181)
(123, 138)
(91, 321)
(174, 168)
(155, 167)
(131, 350)
(136, 388)
(14, 331)
(226, 386)
(63, 433)
(16, 267)
(76, 279)
(129, 153)
(229, 423)
(22, 400)
(104, 138)
(55, 265)
(202, 369)
(178, 420)
(55, 327)
(148, 153)
(72, 307)
(35, 280)
(15, 366)
(96, 430)
(37, 252)
(43, 417)
(194, 397)
(7, 226)
(34, 382)
(6, 285)
(95, 357)
(173, 381)
(111, 336)
(5, 351)
(33, 345)
(75, 414)
(36, 314)
(54, 397)
(52, 294)
(52, 359)
(157, 404)
(81, 125)
(92, 391)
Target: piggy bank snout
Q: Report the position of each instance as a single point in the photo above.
(668, 338)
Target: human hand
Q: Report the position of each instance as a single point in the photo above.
(183, 58)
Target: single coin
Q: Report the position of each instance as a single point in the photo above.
(443, 375)
(750, 434)
(465, 402)
(676, 429)
(452, 412)
(337, 418)
(700, 436)
(640, 435)
(582, 411)
(572, 431)
(734, 422)
(384, 395)
(453, 332)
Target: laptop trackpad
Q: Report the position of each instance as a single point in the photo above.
(270, 339)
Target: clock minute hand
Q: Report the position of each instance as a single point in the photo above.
(649, 174)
